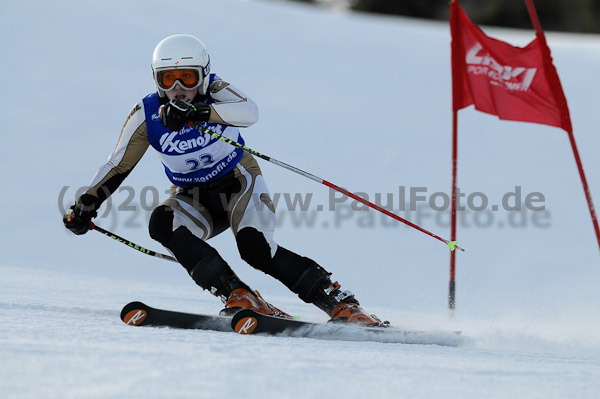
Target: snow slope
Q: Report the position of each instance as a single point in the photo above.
(362, 101)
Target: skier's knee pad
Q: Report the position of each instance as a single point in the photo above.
(254, 249)
(161, 224)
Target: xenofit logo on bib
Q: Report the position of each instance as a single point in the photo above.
(510, 77)
(169, 144)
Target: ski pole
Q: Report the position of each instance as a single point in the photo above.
(131, 244)
(451, 244)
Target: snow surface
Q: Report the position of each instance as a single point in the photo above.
(362, 101)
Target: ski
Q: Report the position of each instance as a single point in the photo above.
(140, 314)
(248, 321)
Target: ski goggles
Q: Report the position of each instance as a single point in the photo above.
(188, 78)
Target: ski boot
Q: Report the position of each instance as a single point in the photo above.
(348, 312)
(242, 298)
(343, 307)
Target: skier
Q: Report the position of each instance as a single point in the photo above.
(215, 186)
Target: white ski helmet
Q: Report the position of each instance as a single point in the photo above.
(181, 52)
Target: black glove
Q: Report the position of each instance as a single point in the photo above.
(78, 218)
(177, 113)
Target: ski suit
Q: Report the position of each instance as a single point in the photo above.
(215, 186)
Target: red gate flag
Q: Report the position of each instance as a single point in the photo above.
(514, 83)
(519, 84)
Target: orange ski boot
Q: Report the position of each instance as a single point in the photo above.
(242, 298)
(348, 312)
(343, 307)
